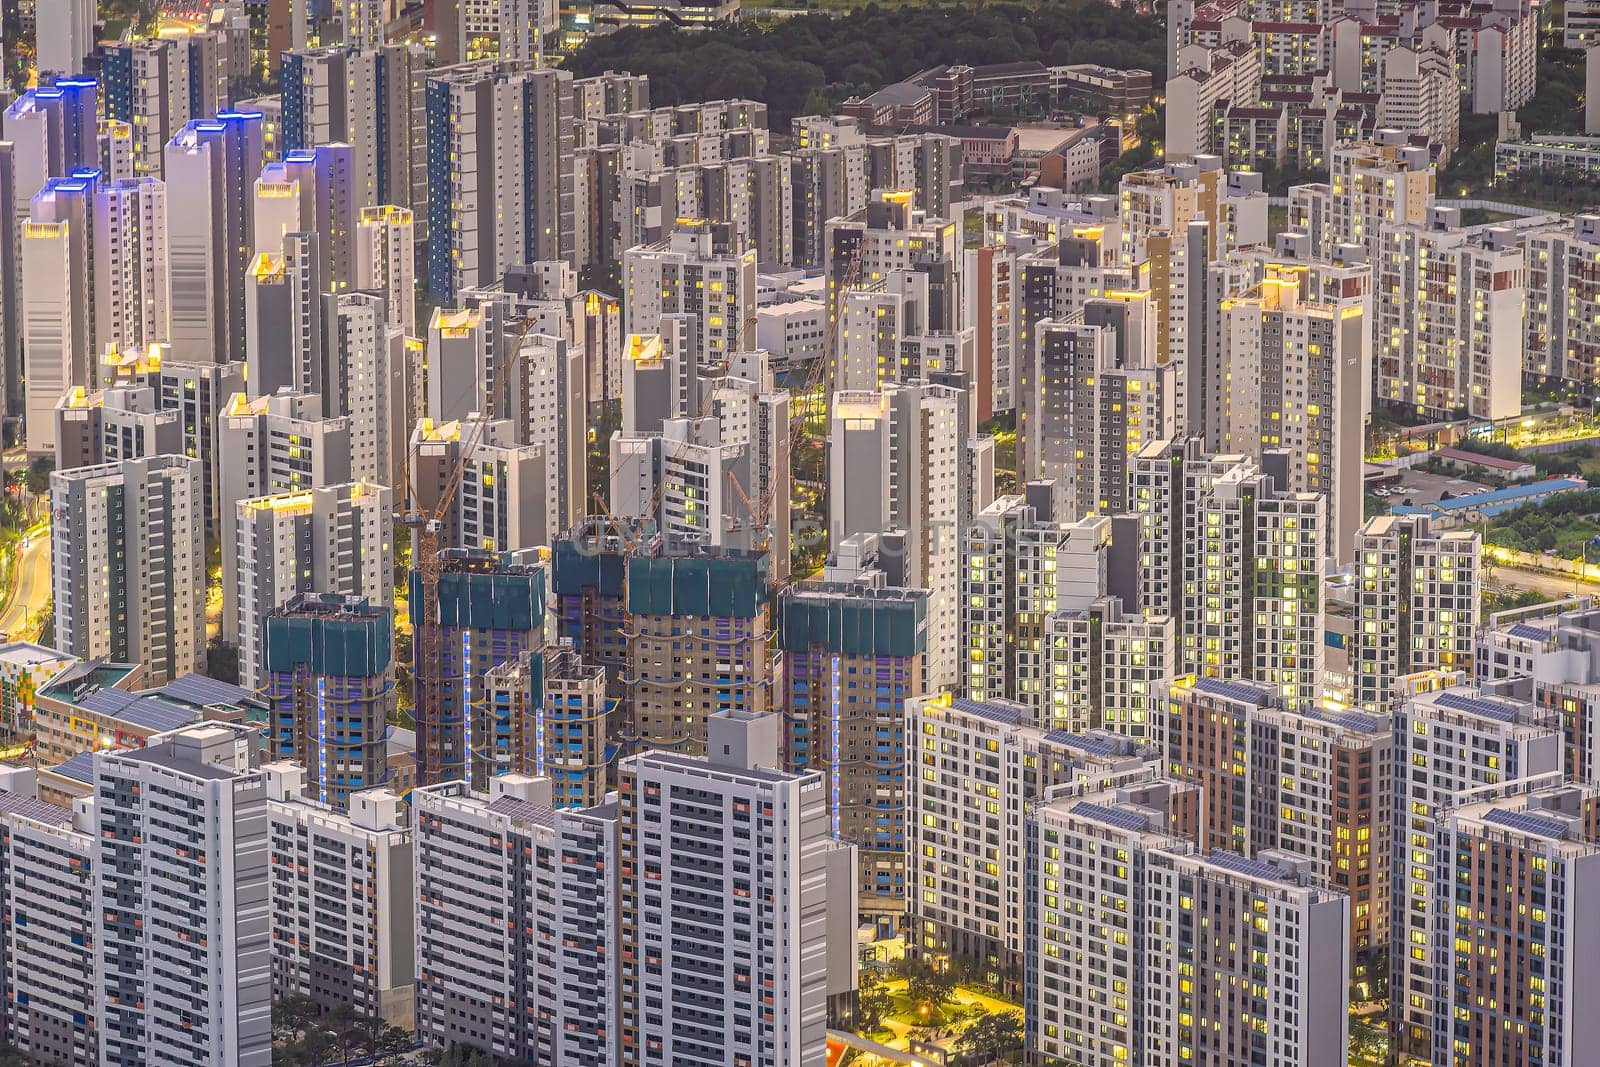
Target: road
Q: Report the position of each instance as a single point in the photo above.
(32, 591)
(1551, 585)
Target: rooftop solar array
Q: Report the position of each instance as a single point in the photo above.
(1232, 861)
(1361, 721)
(517, 808)
(198, 689)
(1005, 714)
(1094, 746)
(79, 768)
(1528, 633)
(1242, 691)
(1488, 709)
(151, 712)
(1527, 823)
(1118, 817)
(33, 808)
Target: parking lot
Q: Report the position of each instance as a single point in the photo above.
(1420, 487)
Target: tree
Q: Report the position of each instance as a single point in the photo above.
(991, 1036)
(928, 989)
(391, 1041)
(292, 1015)
(38, 477)
(347, 1028)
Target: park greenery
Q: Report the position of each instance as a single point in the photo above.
(810, 63)
(304, 1036)
(1562, 524)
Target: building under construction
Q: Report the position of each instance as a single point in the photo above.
(490, 611)
(329, 673)
(852, 653)
(697, 641)
(588, 575)
(562, 723)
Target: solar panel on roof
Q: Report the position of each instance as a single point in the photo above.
(1000, 713)
(198, 689)
(1232, 861)
(1242, 691)
(523, 809)
(1528, 633)
(1118, 817)
(150, 712)
(79, 768)
(1489, 709)
(1353, 720)
(1528, 823)
(33, 808)
(1094, 746)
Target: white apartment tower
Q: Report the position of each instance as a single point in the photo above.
(1417, 602)
(128, 563)
(130, 265)
(331, 539)
(267, 446)
(367, 380)
(341, 897)
(385, 261)
(517, 919)
(733, 886)
(502, 499)
(689, 276)
(1450, 311)
(181, 890)
(893, 464)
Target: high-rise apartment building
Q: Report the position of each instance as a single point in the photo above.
(472, 30)
(1101, 397)
(692, 275)
(1293, 368)
(181, 889)
(327, 674)
(385, 261)
(371, 96)
(132, 291)
(501, 500)
(341, 897)
(852, 653)
(896, 465)
(113, 424)
(490, 611)
(1563, 301)
(1418, 596)
(549, 716)
(1275, 993)
(1466, 737)
(211, 166)
(268, 446)
(1513, 871)
(47, 945)
(331, 539)
(157, 85)
(128, 563)
(765, 937)
(697, 630)
(1236, 562)
(1450, 309)
(366, 378)
(501, 193)
(58, 307)
(973, 768)
(518, 927)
